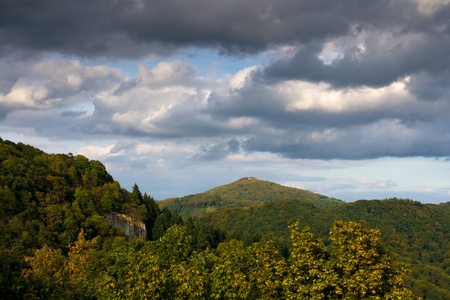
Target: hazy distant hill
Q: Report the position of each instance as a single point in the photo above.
(245, 192)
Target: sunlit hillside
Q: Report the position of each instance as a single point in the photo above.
(245, 192)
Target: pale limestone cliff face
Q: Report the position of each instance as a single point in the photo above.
(129, 227)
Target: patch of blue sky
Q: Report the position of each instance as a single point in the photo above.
(210, 61)
(80, 108)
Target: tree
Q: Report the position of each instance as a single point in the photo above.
(176, 218)
(59, 277)
(229, 278)
(47, 272)
(364, 269)
(146, 279)
(310, 274)
(137, 195)
(152, 213)
(162, 223)
(267, 271)
(175, 246)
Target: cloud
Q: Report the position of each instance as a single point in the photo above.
(377, 183)
(54, 84)
(96, 152)
(136, 28)
(342, 185)
(227, 115)
(372, 57)
(345, 80)
(218, 151)
(430, 87)
(165, 101)
(299, 119)
(344, 44)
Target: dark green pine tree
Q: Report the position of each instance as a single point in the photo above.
(162, 223)
(176, 218)
(137, 195)
(153, 213)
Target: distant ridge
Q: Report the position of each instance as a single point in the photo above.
(244, 192)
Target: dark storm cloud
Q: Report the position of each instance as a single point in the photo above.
(399, 39)
(430, 87)
(133, 28)
(377, 66)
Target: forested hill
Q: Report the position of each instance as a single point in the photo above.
(419, 234)
(47, 200)
(61, 193)
(245, 192)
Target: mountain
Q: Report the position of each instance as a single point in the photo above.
(245, 192)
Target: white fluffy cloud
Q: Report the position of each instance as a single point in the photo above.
(58, 84)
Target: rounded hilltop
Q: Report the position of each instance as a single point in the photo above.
(244, 192)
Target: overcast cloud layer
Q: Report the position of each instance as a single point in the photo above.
(342, 81)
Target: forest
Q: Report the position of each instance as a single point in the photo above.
(57, 242)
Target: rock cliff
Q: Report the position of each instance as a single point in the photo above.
(129, 227)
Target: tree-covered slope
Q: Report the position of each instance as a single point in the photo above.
(417, 233)
(46, 199)
(245, 192)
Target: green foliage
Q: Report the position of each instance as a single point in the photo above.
(354, 268)
(55, 276)
(112, 197)
(152, 212)
(267, 270)
(417, 234)
(364, 269)
(311, 274)
(162, 223)
(45, 200)
(175, 246)
(229, 277)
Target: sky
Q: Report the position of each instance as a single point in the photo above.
(348, 98)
